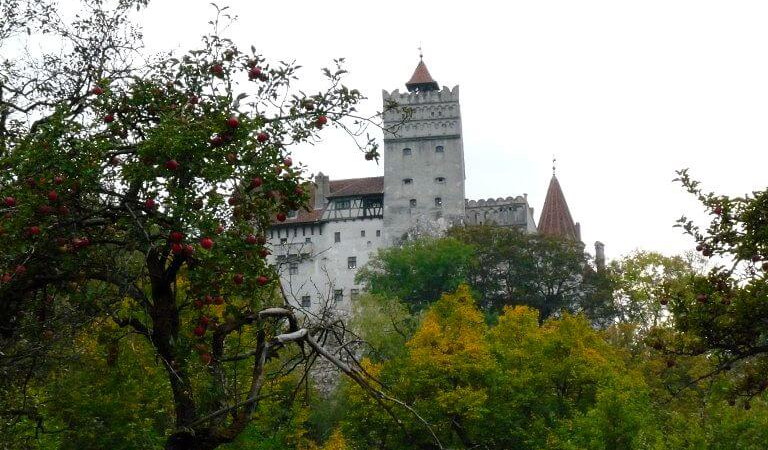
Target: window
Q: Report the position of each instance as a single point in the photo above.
(362, 233)
(280, 258)
(308, 240)
(337, 236)
(407, 180)
(438, 201)
(293, 268)
(406, 151)
(292, 214)
(354, 294)
(283, 240)
(378, 233)
(440, 180)
(342, 204)
(439, 149)
(306, 301)
(338, 295)
(351, 262)
(413, 203)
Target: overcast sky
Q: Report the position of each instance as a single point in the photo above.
(622, 93)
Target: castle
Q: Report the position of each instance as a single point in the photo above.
(319, 250)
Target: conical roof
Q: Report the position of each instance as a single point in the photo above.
(421, 80)
(555, 219)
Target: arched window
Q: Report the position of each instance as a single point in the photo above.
(439, 149)
(406, 151)
(413, 203)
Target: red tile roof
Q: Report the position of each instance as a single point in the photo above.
(555, 219)
(357, 186)
(421, 79)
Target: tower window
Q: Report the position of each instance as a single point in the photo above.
(406, 151)
(351, 262)
(439, 149)
(293, 268)
(292, 214)
(413, 203)
(407, 180)
(283, 240)
(362, 233)
(438, 201)
(378, 233)
(337, 236)
(440, 180)
(308, 240)
(338, 295)
(306, 301)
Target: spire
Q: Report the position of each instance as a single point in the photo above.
(555, 219)
(421, 80)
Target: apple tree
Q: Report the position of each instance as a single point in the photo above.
(724, 313)
(140, 190)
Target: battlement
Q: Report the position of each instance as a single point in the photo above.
(415, 98)
(497, 202)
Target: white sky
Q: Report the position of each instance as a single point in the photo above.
(623, 93)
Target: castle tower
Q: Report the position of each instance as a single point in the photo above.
(423, 158)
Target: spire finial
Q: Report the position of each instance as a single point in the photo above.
(421, 53)
(554, 160)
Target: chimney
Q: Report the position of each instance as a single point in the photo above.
(600, 255)
(322, 190)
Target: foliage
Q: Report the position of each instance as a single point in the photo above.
(418, 272)
(519, 384)
(384, 323)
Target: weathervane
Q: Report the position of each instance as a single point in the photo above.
(554, 160)
(421, 53)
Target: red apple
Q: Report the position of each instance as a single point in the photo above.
(232, 200)
(217, 70)
(97, 90)
(263, 253)
(198, 304)
(193, 100)
(206, 358)
(255, 72)
(6, 277)
(188, 250)
(34, 230)
(218, 300)
(233, 122)
(281, 217)
(288, 162)
(217, 140)
(176, 248)
(63, 211)
(176, 236)
(150, 203)
(206, 243)
(199, 331)
(45, 209)
(718, 210)
(262, 280)
(251, 239)
(109, 118)
(53, 196)
(58, 179)
(9, 202)
(261, 240)
(21, 269)
(262, 137)
(171, 164)
(322, 120)
(256, 182)
(204, 321)
(219, 229)
(238, 278)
